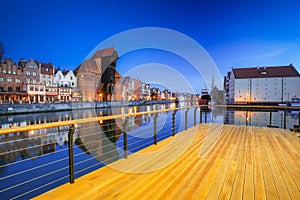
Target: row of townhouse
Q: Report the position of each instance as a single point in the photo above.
(95, 79)
(31, 81)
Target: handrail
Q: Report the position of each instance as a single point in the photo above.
(95, 119)
(259, 107)
(81, 121)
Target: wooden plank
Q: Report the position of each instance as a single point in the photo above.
(271, 192)
(246, 162)
(238, 185)
(259, 184)
(290, 182)
(228, 184)
(279, 182)
(220, 179)
(248, 191)
(203, 190)
(195, 177)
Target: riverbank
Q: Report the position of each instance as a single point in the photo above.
(53, 107)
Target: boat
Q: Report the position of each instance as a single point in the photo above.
(204, 97)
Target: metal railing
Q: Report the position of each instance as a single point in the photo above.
(83, 151)
(35, 133)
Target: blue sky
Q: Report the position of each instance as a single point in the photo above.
(235, 33)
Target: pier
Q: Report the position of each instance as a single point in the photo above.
(221, 162)
(181, 153)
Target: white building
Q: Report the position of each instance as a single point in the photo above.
(65, 78)
(262, 85)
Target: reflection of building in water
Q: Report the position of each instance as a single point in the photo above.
(32, 144)
(258, 118)
(99, 140)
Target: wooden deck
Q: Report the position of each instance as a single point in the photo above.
(208, 161)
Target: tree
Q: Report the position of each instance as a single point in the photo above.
(1, 50)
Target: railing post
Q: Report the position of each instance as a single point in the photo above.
(271, 118)
(201, 113)
(299, 119)
(71, 154)
(195, 118)
(247, 117)
(186, 116)
(125, 139)
(284, 119)
(206, 109)
(173, 122)
(155, 128)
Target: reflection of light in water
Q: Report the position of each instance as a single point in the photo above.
(135, 109)
(31, 132)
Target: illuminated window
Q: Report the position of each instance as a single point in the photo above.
(9, 79)
(28, 73)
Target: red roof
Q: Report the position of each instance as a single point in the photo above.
(104, 53)
(265, 72)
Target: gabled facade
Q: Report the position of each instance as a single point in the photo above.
(11, 82)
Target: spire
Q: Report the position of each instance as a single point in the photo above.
(213, 80)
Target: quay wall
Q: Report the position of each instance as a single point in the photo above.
(53, 107)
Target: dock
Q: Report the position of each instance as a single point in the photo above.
(207, 161)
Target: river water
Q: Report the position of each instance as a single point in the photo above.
(34, 162)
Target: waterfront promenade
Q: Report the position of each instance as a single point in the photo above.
(219, 162)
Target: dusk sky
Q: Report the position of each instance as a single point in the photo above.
(235, 33)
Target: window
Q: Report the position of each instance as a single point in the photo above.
(71, 77)
(31, 66)
(18, 89)
(18, 80)
(9, 67)
(4, 71)
(33, 73)
(1, 79)
(9, 72)
(9, 89)
(41, 89)
(36, 88)
(14, 72)
(33, 81)
(47, 69)
(1, 89)
(31, 88)
(9, 79)
(28, 73)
